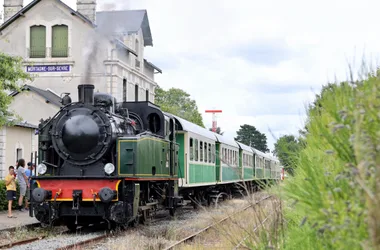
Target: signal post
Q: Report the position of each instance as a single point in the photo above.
(214, 111)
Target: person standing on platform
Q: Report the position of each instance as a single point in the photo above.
(22, 181)
(28, 173)
(10, 184)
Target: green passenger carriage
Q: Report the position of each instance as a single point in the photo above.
(210, 163)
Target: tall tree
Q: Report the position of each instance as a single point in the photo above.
(287, 149)
(178, 102)
(11, 72)
(250, 136)
(218, 131)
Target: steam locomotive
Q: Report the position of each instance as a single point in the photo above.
(100, 160)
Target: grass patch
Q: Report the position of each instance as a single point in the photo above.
(332, 200)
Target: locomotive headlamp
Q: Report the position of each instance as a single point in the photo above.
(41, 168)
(109, 168)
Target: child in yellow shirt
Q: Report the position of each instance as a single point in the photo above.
(10, 183)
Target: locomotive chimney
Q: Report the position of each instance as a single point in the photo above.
(86, 93)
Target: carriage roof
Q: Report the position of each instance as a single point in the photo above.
(193, 128)
(244, 147)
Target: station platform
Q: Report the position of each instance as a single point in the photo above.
(22, 219)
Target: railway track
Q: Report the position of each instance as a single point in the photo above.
(37, 242)
(254, 230)
(25, 241)
(28, 226)
(194, 235)
(57, 232)
(21, 242)
(159, 218)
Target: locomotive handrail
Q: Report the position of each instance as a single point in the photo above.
(50, 164)
(56, 114)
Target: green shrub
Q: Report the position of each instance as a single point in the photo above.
(332, 200)
(3, 196)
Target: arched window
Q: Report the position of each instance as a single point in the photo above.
(18, 153)
(60, 41)
(136, 93)
(137, 46)
(37, 41)
(124, 90)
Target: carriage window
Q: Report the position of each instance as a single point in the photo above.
(191, 149)
(205, 151)
(201, 151)
(213, 153)
(196, 149)
(209, 153)
(229, 156)
(224, 155)
(233, 158)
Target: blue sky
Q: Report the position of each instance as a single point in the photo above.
(260, 62)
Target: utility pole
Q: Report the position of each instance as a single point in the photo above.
(214, 111)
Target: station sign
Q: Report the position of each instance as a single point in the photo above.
(48, 68)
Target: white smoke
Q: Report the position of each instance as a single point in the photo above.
(90, 55)
(91, 51)
(111, 5)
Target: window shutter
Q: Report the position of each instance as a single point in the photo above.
(37, 41)
(59, 41)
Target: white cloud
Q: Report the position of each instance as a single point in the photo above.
(196, 43)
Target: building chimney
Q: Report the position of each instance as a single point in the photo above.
(87, 8)
(11, 7)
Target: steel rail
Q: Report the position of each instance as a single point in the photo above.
(101, 237)
(188, 238)
(27, 226)
(21, 242)
(81, 243)
(255, 229)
